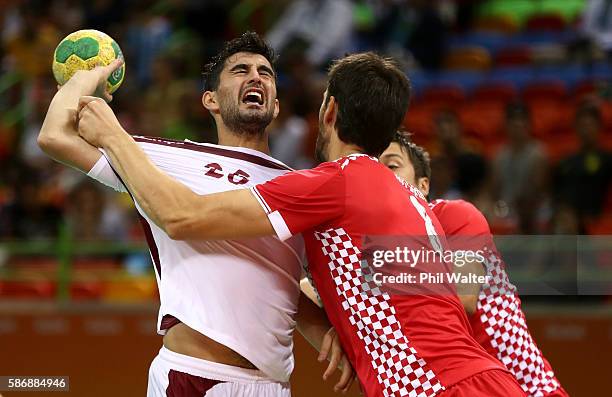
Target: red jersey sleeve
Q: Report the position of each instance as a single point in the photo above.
(464, 225)
(300, 200)
(461, 217)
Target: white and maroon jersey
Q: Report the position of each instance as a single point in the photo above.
(499, 323)
(400, 345)
(241, 293)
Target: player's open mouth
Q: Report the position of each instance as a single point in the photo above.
(253, 96)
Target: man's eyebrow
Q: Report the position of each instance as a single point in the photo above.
(239, 66)
(244, 66)
(393, 155)
(266, 69)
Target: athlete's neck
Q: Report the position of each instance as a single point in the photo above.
(337, 148)
(255, 142)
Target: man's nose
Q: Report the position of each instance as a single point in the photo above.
(254, 76)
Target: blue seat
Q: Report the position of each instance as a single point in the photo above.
(466, 80)
(489, 40)
(570, 74)
(519, 76)
(539, 38)
(600, 71)
(419, 79)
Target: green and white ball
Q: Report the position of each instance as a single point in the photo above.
(84, 50)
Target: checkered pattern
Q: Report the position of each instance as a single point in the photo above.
(501, 315)
(400, 370)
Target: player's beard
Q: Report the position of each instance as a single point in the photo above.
(246, 122)
(321, 145)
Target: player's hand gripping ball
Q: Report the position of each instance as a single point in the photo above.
(84, 50)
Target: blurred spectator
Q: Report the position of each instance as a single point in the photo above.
(67, 14)
(147, 35)
(38, 97)
(208, 19)
(26, 214)
(8, 137)
(288, 135)
(457, 163)
(427, 37)
(256, 15)
(451, 142)
(597, 23)
(28, 33)
(381, 23)
(566, 221)
(582, 180)
(398, 26)
(101, 14)
(520, 170)
(442, 179)
(473, 181)
(89, 215)
(466, 13)
(322, 27)
(167, 91)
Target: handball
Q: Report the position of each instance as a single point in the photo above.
(84, 50)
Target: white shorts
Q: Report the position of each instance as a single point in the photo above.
(176, 375)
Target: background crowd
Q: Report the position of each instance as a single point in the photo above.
(511, 98)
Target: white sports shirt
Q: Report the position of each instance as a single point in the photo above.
(241, 293)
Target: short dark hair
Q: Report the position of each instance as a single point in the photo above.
(372, 94)
(248, 42)
(417, 154)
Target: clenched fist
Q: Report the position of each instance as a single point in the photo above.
(96, 121)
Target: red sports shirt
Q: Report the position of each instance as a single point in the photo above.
(499, 323)
(400, 345)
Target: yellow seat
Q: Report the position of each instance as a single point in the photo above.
(469, 58)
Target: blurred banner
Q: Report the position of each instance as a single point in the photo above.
(106, 349)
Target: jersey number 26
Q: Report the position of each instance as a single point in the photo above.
(238, 177)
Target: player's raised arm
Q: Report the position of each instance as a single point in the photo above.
(175, 208)
(284, 206)
(58, 136)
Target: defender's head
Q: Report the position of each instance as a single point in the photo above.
(409, 161)
(364, 104)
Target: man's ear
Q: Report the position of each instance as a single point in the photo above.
(276, 107)
(209, 100)
(423, 185)
(331, 112)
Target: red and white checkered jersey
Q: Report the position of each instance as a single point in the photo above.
(499, 323)
(400, 345)
(241, 293)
